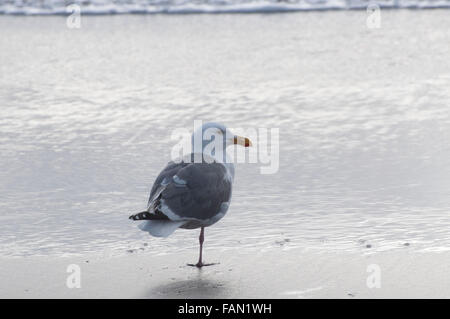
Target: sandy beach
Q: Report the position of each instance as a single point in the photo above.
(273, 274)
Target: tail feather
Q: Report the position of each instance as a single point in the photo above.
(160, 228)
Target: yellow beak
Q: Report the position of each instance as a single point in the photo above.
(243, 141)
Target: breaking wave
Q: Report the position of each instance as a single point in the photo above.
(105, 7)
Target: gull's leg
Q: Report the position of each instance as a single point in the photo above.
(201, 239)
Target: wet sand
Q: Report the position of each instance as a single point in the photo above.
(271, 274)
(87, 117)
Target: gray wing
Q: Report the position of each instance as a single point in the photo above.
(190, 191)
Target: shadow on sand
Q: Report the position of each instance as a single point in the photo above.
(199, 287)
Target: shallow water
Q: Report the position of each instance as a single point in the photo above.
(86, 119)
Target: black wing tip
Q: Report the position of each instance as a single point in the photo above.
(140, 216)
(145, 215)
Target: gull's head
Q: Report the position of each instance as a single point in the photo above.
(213, 136)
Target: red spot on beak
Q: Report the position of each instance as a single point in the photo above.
(243, 141)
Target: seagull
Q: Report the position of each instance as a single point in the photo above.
(194, 191)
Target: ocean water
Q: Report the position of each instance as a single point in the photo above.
(86, 117)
